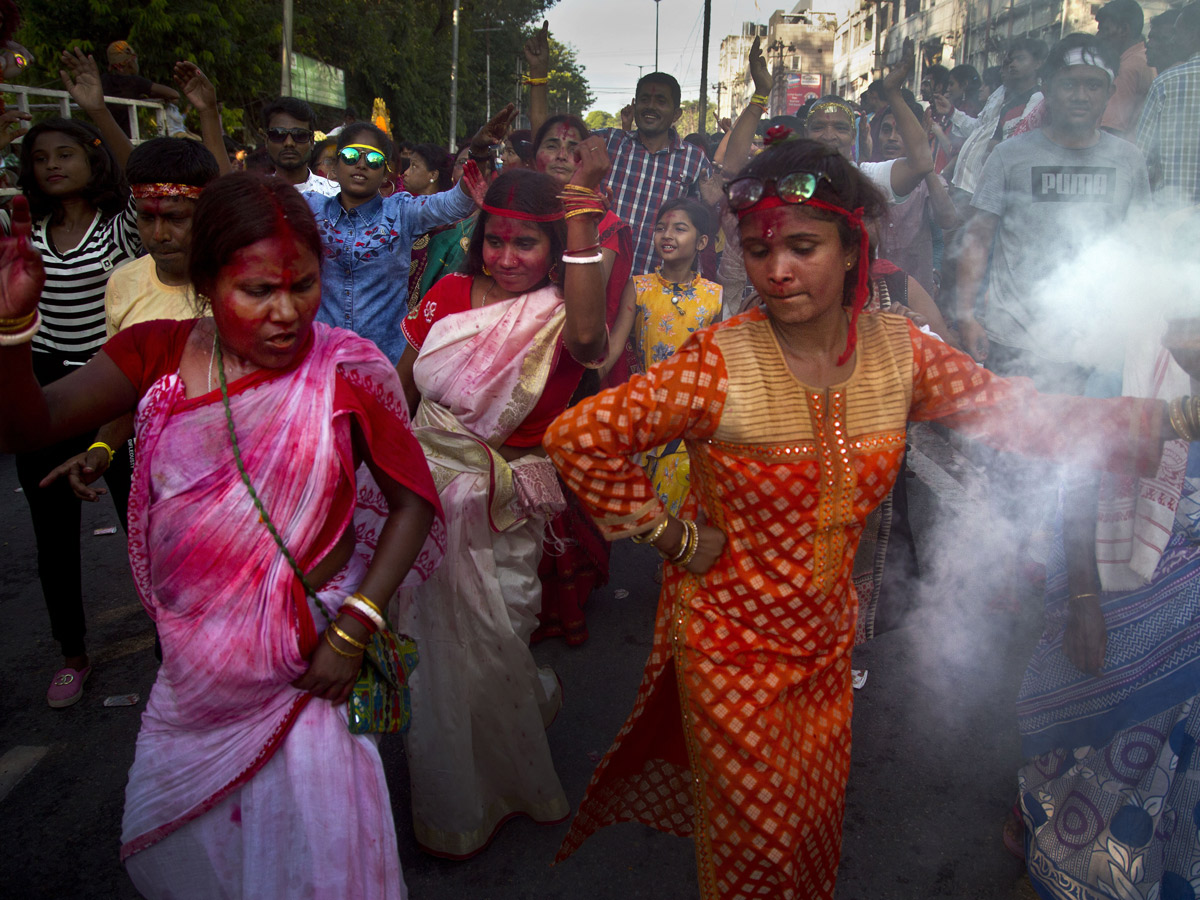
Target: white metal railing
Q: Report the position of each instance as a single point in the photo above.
(62, 102)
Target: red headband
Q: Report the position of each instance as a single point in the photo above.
(165, 189)
(862, 290)
(523, 216)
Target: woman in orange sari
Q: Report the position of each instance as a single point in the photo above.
(794, 416)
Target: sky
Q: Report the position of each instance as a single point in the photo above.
(613, 37)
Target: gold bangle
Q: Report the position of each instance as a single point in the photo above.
(338, 650)
(760, 100)
(12, 326)
(1178, 422)
(1083, 596)
(683, 564)
(528, 80)
(1191, 413)
(367, 600)
(681, 549)
(103, 446)
(345, 637)
(688, 549)
(649, 537)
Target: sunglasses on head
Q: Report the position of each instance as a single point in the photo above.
(795, 187)
(373, 158)
(299, 135)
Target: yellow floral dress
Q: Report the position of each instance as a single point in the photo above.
(667, 314)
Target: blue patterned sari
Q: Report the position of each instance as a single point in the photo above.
(1110, 794)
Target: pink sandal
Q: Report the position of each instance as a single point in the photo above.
(67, 687)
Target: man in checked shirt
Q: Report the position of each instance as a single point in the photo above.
(651, 164)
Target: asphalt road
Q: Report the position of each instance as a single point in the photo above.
(934, 758)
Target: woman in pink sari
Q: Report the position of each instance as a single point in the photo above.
(246, 781)
(493, 357)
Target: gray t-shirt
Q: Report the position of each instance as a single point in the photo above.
(1050, 200)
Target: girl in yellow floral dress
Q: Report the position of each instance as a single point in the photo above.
(672, 302)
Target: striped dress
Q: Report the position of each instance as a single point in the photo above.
(72, 303)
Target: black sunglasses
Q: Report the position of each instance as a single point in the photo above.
(299, 135)
(795, 187)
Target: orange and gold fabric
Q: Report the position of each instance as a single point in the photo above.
(740, 734)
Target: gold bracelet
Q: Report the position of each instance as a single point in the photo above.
(689, 544)
(338, 650)
(528, 80)
(1191, 413)
(345, 637)
(649, 537)
(367, 600)
(1084, 596)
(12, 326)
(681, 549)
(683, 563)
(1178, 422)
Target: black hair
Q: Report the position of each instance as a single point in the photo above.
(319, 150)
(993, 77)
(1189, 20)
(698, 212)
(231, 146)
(938, 74)
(876, 88)
(350, 113)
(572, 121)
(292, 106)
(106, 190)
(1032, 46)
(968, 77)
(661, 78)
(1124, 12)
(171, 160)
(350, 135)
(1056, 60)
(521, 190)
(12, 20)
(241, 209)
(882, 113)
(843, 186)
(1167, 18)
(522, 144)
(437, 160)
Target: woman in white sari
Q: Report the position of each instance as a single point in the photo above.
(494, 356)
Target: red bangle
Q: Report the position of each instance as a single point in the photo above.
(588, 249)
(359, 617)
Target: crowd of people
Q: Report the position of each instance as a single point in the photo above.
(498, 361)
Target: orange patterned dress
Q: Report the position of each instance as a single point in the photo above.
(756, 652)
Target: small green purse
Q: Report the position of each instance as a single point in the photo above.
(380, 702)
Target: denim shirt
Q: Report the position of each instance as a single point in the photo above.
(364, 276)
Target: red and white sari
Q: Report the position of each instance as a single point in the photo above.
(242, 785)
(477, 749)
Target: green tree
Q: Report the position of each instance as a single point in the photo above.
(398, 50)
(688, 122)
(569, 89)
(598, 118)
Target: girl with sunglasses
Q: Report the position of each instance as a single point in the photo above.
(368, 238)
(494, 355)
(794, 415)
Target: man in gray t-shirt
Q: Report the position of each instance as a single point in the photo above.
(1039, 197)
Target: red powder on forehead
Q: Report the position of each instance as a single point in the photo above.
(565, 132)
(505, 228)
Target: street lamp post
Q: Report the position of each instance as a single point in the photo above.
(656, 3)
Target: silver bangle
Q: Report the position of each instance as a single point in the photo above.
(22, 337)
(583, 260)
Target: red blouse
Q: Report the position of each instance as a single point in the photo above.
(452, 294)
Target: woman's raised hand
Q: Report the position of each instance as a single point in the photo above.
(537, 52)
(21, 272)
(592, 163)
(81, 76)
